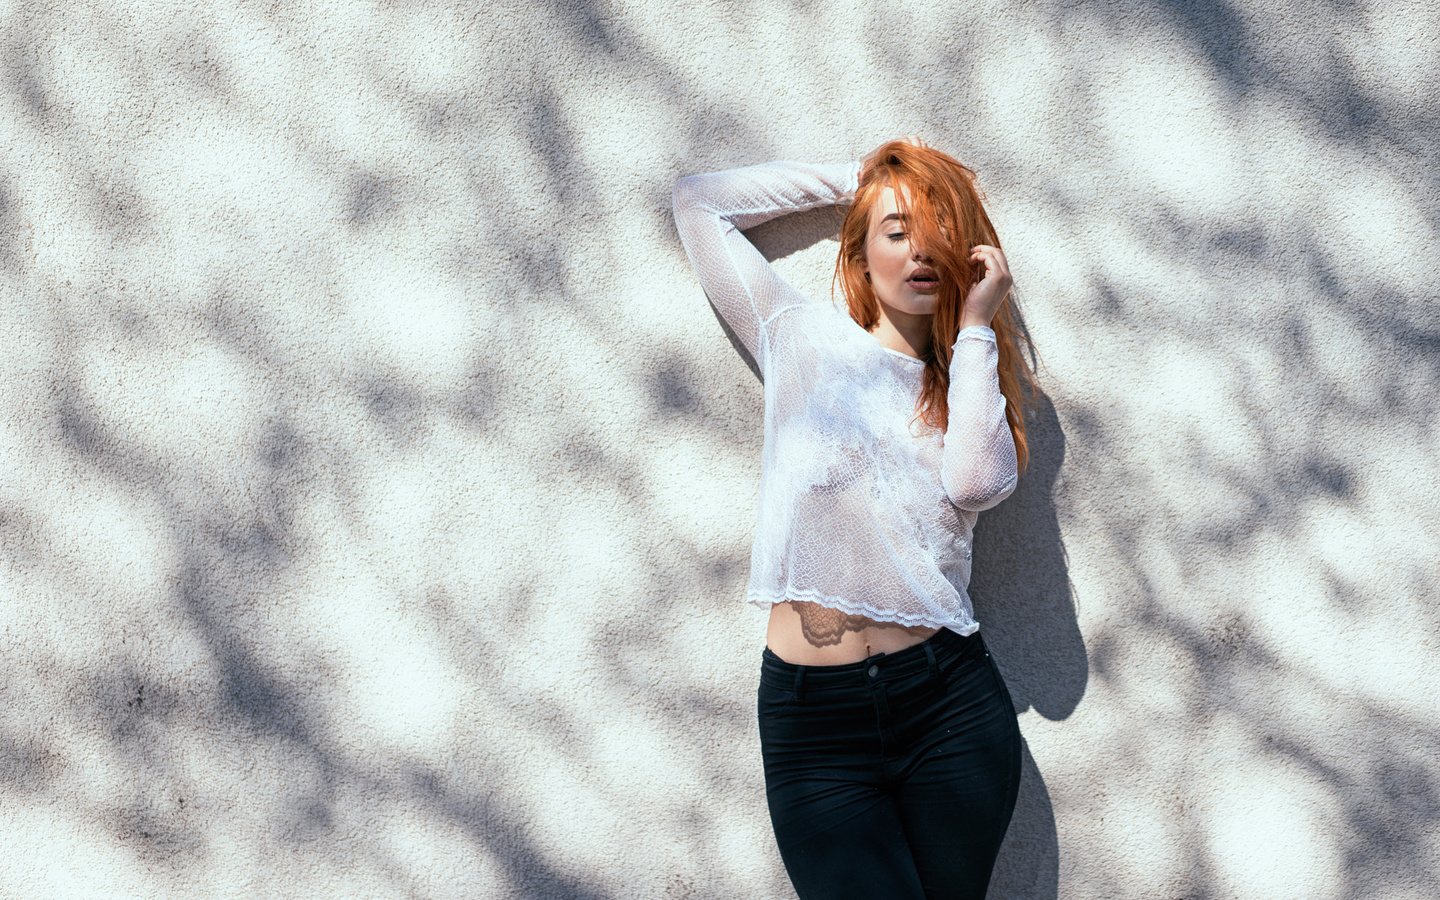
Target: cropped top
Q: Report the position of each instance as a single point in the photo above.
(863, 508)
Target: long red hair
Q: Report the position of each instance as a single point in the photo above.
(943, 213)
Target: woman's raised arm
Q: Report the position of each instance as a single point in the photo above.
(711, 210)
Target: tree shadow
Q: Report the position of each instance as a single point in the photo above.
(257, 710)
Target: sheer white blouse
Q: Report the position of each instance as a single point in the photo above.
(863, 508)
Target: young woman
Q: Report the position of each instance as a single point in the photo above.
(891, 749)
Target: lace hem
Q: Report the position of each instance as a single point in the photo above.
(963, 626)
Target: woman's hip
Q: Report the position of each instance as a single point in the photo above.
(888, 705)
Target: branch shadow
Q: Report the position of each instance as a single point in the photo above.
(236, 551)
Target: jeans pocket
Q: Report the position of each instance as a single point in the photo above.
(773, 701)
(964, 662)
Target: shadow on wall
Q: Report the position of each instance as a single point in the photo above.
(1029, 862)
(235, 531)
(1021, 585)
(1021, 591)
(1022, 597)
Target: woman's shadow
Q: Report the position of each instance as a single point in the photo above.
(1023, 600)
(1022, 597)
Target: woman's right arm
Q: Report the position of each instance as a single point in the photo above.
(711, 210)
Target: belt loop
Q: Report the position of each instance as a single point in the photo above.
(799, 684)
(930, 655)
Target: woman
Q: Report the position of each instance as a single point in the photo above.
(891, 750)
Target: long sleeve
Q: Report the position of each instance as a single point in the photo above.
(711, 210)
(978, 468)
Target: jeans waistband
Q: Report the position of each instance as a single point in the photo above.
(939, 649)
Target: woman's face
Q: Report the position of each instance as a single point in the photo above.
(900, 274)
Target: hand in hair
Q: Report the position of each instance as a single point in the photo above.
(987, 295)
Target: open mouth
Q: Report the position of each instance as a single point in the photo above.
(923, 279)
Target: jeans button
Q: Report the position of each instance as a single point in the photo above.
(874, 670)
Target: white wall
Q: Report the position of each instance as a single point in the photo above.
(376, 483)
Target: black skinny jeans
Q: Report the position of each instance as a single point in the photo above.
(893, 778)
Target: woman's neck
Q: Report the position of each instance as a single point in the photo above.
(903, 332)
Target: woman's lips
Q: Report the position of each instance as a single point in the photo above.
(923, 279)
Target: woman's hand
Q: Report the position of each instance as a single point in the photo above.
(988, 294)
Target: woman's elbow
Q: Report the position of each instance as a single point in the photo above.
(977, 495)
(688, 192)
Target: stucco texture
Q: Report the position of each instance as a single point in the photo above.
(376, 484)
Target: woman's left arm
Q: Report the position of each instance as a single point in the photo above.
(979, 469)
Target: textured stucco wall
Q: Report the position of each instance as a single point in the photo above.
(376, 484)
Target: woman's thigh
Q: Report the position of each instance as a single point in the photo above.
(900, 785)
(836, 821)
(862, 857)
(958, 792)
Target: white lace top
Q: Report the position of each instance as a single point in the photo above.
(863, 508)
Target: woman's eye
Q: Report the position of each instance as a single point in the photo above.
(896, 236)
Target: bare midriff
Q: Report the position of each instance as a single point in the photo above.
(807, 634)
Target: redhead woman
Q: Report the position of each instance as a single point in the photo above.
(890, 745)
